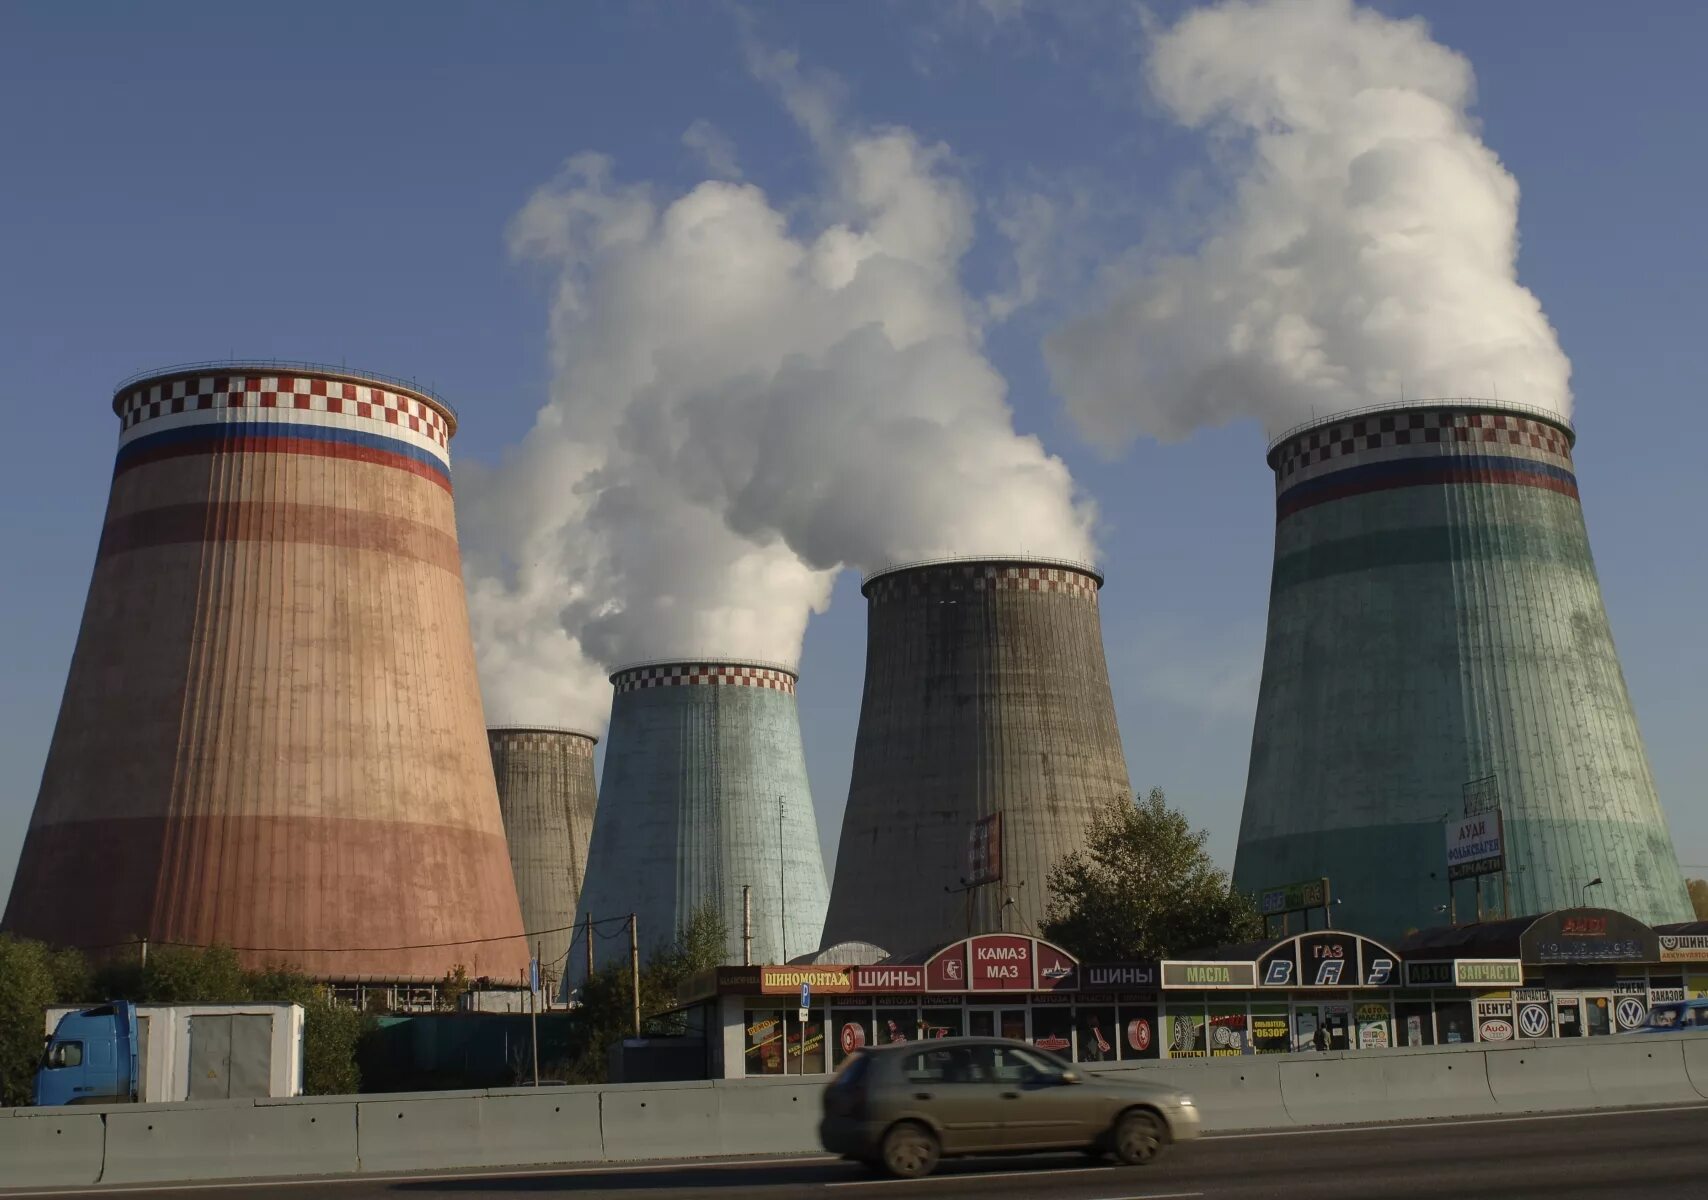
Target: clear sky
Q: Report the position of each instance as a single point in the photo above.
(334, 182)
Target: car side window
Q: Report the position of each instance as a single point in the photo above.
(929, 1066)
(1014, 1065)
(66, 1054)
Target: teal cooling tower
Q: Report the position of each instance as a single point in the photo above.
(705, 792)
(1434, 620)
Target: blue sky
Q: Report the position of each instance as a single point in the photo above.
(334, 182)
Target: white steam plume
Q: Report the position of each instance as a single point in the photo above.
(1367, 252)
(738, 410)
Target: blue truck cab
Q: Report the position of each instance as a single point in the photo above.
(91, 1057)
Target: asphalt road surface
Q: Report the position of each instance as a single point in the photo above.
(1659, 1152)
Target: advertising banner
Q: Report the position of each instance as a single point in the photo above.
(1119, 976)
(1056, 971)
(1684, 947)
(1293, 897)
(1001, 962)
(908, 977)
(1494, 1021)
(1474, 846)
(984, 850)
(778, 981)
(1488, 972)
(1429, 974)
(1372, 1026)
(1580, 935)
(1209, 975)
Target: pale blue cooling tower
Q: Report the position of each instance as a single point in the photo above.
(705, 792)
(1435, 620)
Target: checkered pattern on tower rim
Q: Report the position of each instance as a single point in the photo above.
(980, 577)
(282, 391)
(578, 744)
(703, 674)
(1417, 428)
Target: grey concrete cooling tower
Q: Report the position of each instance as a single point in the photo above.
(705, 792)
(1435, 622)
(547, 796)
(987, 711)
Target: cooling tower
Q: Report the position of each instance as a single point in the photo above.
(705, 792)
(986, 693)
(1434, 620)
(271, 734)
(546, 794)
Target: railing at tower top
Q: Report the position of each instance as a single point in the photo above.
(1552, 416)
(273, 365)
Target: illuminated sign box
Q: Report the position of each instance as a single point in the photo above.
(1488, 972)
(1209, 975)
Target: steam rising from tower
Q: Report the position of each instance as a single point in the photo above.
(271, 735)
(1366, 250)
(986, 693)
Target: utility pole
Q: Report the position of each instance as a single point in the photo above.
(746, 925)
(782, 890)
(534, 1010)
(590, 945)
(145, 954)
(634, 968)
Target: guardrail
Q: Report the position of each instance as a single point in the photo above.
(155, 1143)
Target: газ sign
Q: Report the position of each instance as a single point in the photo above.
(1474, 846)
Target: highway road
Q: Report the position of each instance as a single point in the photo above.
(1660, 1152)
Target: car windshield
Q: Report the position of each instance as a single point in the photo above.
(853, 1070)
(1666, 1016)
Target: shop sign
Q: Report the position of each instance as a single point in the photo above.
(1533, 1020)
(1666, 995)
(906, 977)
(1001, 963)
(1582, 935)
(1474, 846)
(1372, 1026)
(946, 971)
(1057, 972)
(1429, 974)
(1684, 947)
(1293, 897)
(1630, 1012)
(1209, 974)
(1630, 987)
(1119, 975)
(1531, 995)
(775, 981)
(1494, 1020)
(1487, 972)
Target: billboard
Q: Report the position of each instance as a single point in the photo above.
(1475, 846)
(984, 850)
(1293, 897)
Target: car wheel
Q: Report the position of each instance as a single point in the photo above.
(910, 1151)
(1138, 1138)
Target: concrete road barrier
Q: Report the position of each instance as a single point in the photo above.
(1696, 1063)
(1638, 1070)
(1385, 1085)
(529, 1126)
(768, 1117)
(1539, 1076)
(227, 1139)
(1231, 1093)
(48, 1147)
(660, 1120)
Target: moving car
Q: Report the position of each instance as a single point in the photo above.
(1676, 1016)
(901, 1107)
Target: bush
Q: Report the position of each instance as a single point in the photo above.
(31, 977)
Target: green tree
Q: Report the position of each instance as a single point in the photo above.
(1699, 897)
(32, 976)
(606, 1010)
(1144, 887)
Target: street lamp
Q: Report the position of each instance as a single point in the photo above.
(1596, 882)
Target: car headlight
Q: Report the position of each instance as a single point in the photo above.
(1185, 1102)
